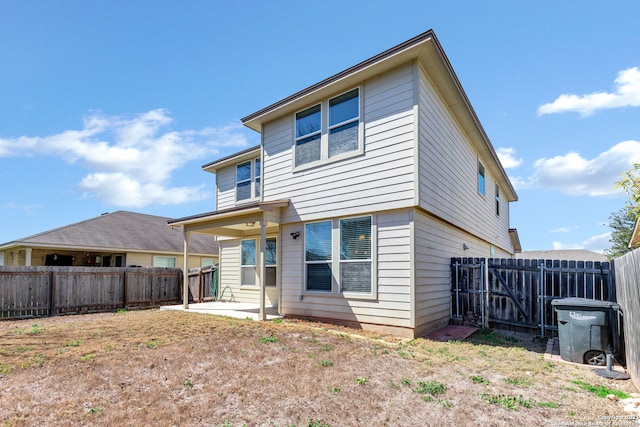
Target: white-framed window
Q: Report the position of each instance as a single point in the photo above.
(207, 261)
(339, 252)
(248, 176)
(248, 262)
(318, 256)
(164, 261)
(271, 261)
(497, 200)
(329, 130)
(355, 254)
(480, 178)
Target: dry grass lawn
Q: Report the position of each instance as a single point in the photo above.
(163, 368)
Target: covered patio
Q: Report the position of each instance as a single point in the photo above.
(252, 219)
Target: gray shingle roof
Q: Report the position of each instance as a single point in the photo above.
(564, 254)
(122, 230)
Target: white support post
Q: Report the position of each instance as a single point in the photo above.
(185, 271)
(27, 257)
(262, 268)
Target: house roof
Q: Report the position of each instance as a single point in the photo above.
(121, 230)
(564, 254)
(424, 48)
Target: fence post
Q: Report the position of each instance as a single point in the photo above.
(52, 293)
(456, 265)
(485, 293)
(125, 287)
(542, 299)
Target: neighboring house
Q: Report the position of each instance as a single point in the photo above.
(362, 189)
(564, 254)
(117, 239)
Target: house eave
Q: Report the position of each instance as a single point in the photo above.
(237, 211)
(238, 157)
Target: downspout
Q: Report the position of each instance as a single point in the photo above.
(185, 270)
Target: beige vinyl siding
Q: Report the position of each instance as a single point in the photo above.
(393, 305)
(380, 179)
(435, 244)
(136, 258)
(226, 187)
(447, 169)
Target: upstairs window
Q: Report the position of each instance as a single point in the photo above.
(329, 129)
(480, 178)
(497, 200)
(308, 133)
(248, 180)
(344, 114)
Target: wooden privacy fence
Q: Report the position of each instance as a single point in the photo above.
(48, 291)
(627, 270)
(518, 292)
(203, 284)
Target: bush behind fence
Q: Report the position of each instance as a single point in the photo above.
(49, 291)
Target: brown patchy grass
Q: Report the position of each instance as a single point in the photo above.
(166, 368)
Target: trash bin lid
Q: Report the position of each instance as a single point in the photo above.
(584, 303)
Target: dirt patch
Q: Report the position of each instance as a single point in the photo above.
(174, 369)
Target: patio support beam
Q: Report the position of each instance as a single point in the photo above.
(262, 269)
(185, 269)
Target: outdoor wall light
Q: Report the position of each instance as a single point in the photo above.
(465, 247)
(295, 235)
(251, 224)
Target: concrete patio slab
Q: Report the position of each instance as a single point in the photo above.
(230, 309)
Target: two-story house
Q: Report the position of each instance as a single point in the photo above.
(362, 189)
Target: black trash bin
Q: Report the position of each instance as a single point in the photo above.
(583, 329)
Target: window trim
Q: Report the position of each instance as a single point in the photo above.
(275, 266)
(336, 262)
(482, 183)
(175, 260)
(254, 265)
(497, 200)
(254, 181)
(317, 262)
(324, 132)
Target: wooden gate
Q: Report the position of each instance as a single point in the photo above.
(518, 293)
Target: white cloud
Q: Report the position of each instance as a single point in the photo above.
(574, 175)
(508, 158)
(130, 159)
(598, 243)
(626, 94)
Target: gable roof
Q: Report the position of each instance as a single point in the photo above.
(120, 230)
(424, 48)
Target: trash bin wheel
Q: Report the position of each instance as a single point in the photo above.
(595, 357)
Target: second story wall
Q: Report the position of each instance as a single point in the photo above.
(448, 173)
(379, 178)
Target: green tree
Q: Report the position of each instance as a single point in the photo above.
(630, 183)
(621, 224)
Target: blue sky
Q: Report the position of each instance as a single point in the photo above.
(110, 105)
